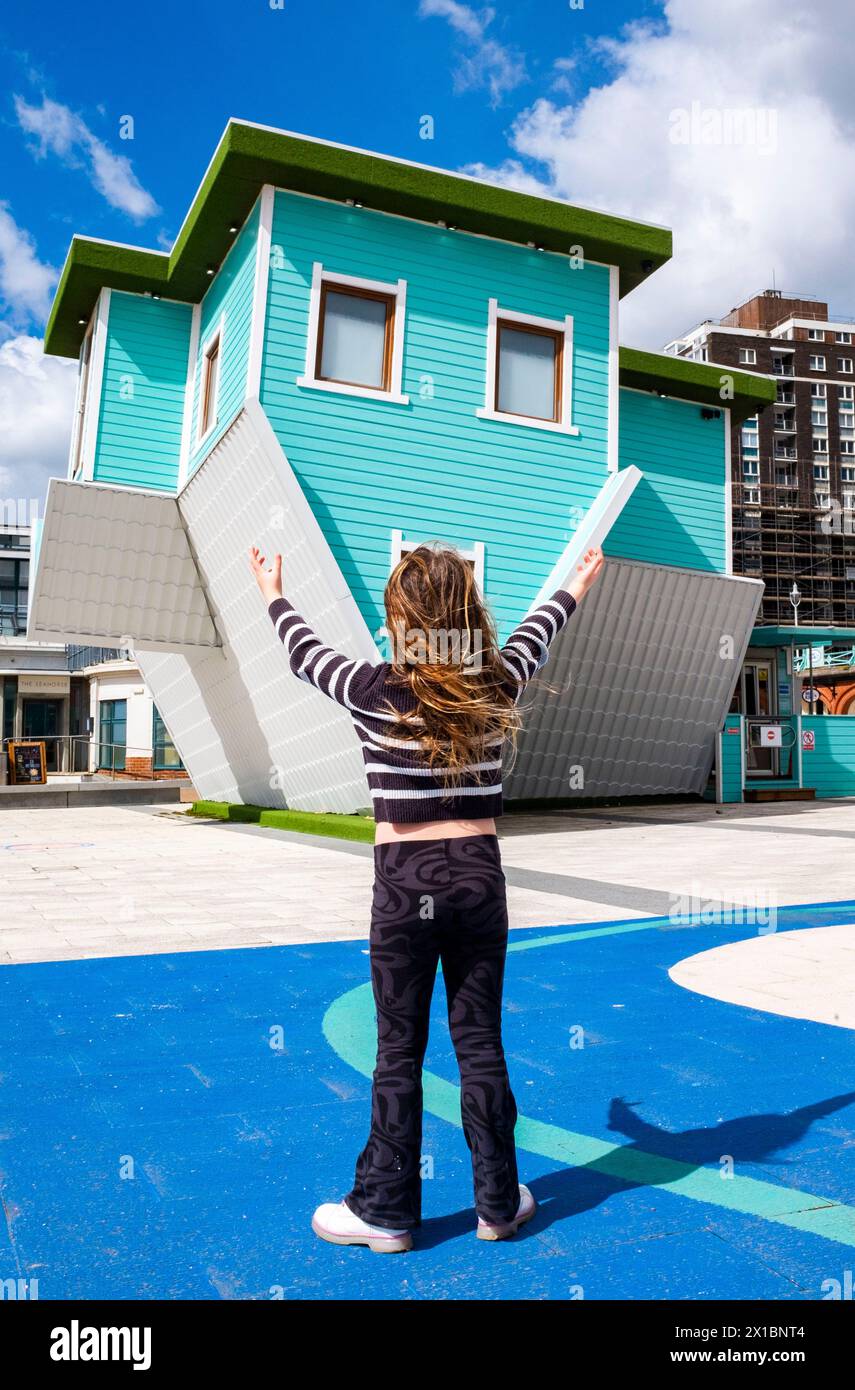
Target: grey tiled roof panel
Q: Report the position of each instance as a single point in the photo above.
(247, 728)
(637, 686)
(115, 562)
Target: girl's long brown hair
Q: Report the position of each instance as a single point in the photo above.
(444, 647)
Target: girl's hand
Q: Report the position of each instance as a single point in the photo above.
(268, 581)
(587, 573)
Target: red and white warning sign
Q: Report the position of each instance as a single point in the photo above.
(808, 740)
(770, 735)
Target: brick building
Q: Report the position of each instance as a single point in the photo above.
(793, 465)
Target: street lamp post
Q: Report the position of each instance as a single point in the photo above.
(795, 600)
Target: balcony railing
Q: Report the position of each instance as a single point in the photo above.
(783, 451)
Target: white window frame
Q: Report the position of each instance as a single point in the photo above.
(844, 366)
(322, 275)
(218, 332)
(400, 547)
(816, 335)
(563, 326)
(747, 357)
(816, 362)
(844, 339)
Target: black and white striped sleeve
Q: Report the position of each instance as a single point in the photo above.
(329, 671)
(527, 648)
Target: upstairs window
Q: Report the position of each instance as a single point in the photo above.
(209, 386)
(747, 357)
(529, 370)
(356, 332)
(80, 413)
(816, 363)
(356, 336)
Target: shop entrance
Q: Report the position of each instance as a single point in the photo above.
(40, 720)
(759, 702)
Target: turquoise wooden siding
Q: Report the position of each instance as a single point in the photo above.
(142, 395)
(230, 299)
(830, 768)
(431, 468)
(676, 515)
(730, 769)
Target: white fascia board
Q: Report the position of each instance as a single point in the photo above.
(593, 528)
(259, 292)
(613, 445)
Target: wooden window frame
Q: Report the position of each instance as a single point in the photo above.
(394, 295)
(213, 348)
(390, 299)
(557, 337)
(562, 331)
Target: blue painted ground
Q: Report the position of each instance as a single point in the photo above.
(160, 1068)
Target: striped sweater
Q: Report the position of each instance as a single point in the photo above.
(402, 788)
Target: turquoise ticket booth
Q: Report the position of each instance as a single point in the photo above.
(774, 746)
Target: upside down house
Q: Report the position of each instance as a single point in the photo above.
(342, 356)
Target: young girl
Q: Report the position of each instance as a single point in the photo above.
(433, 722)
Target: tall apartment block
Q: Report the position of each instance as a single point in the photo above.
(793, 464)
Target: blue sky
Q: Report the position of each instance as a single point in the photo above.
(593, 101)
(359, 74)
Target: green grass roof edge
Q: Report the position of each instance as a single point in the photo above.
(709, 384)
(249, 156)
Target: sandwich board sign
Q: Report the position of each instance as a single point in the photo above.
(26, 763)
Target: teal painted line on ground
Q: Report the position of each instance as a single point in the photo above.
(530, 942)
(349, 1028)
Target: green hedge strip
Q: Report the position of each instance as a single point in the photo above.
(307, 822)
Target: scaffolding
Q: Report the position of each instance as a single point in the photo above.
(779, 540)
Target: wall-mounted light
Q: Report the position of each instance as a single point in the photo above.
(210, 270)
(82, 322)
(444, 225)
(232, 229)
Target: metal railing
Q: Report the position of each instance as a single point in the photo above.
(67, 754)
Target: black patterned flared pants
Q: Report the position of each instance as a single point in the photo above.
(437, 900)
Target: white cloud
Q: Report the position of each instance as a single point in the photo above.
(25, 281)
(511, 174)
(484, 62)
(36, 407)
(782, 202)
(65, 134)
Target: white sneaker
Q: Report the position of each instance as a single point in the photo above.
(340, 1226)
(525, 1211)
